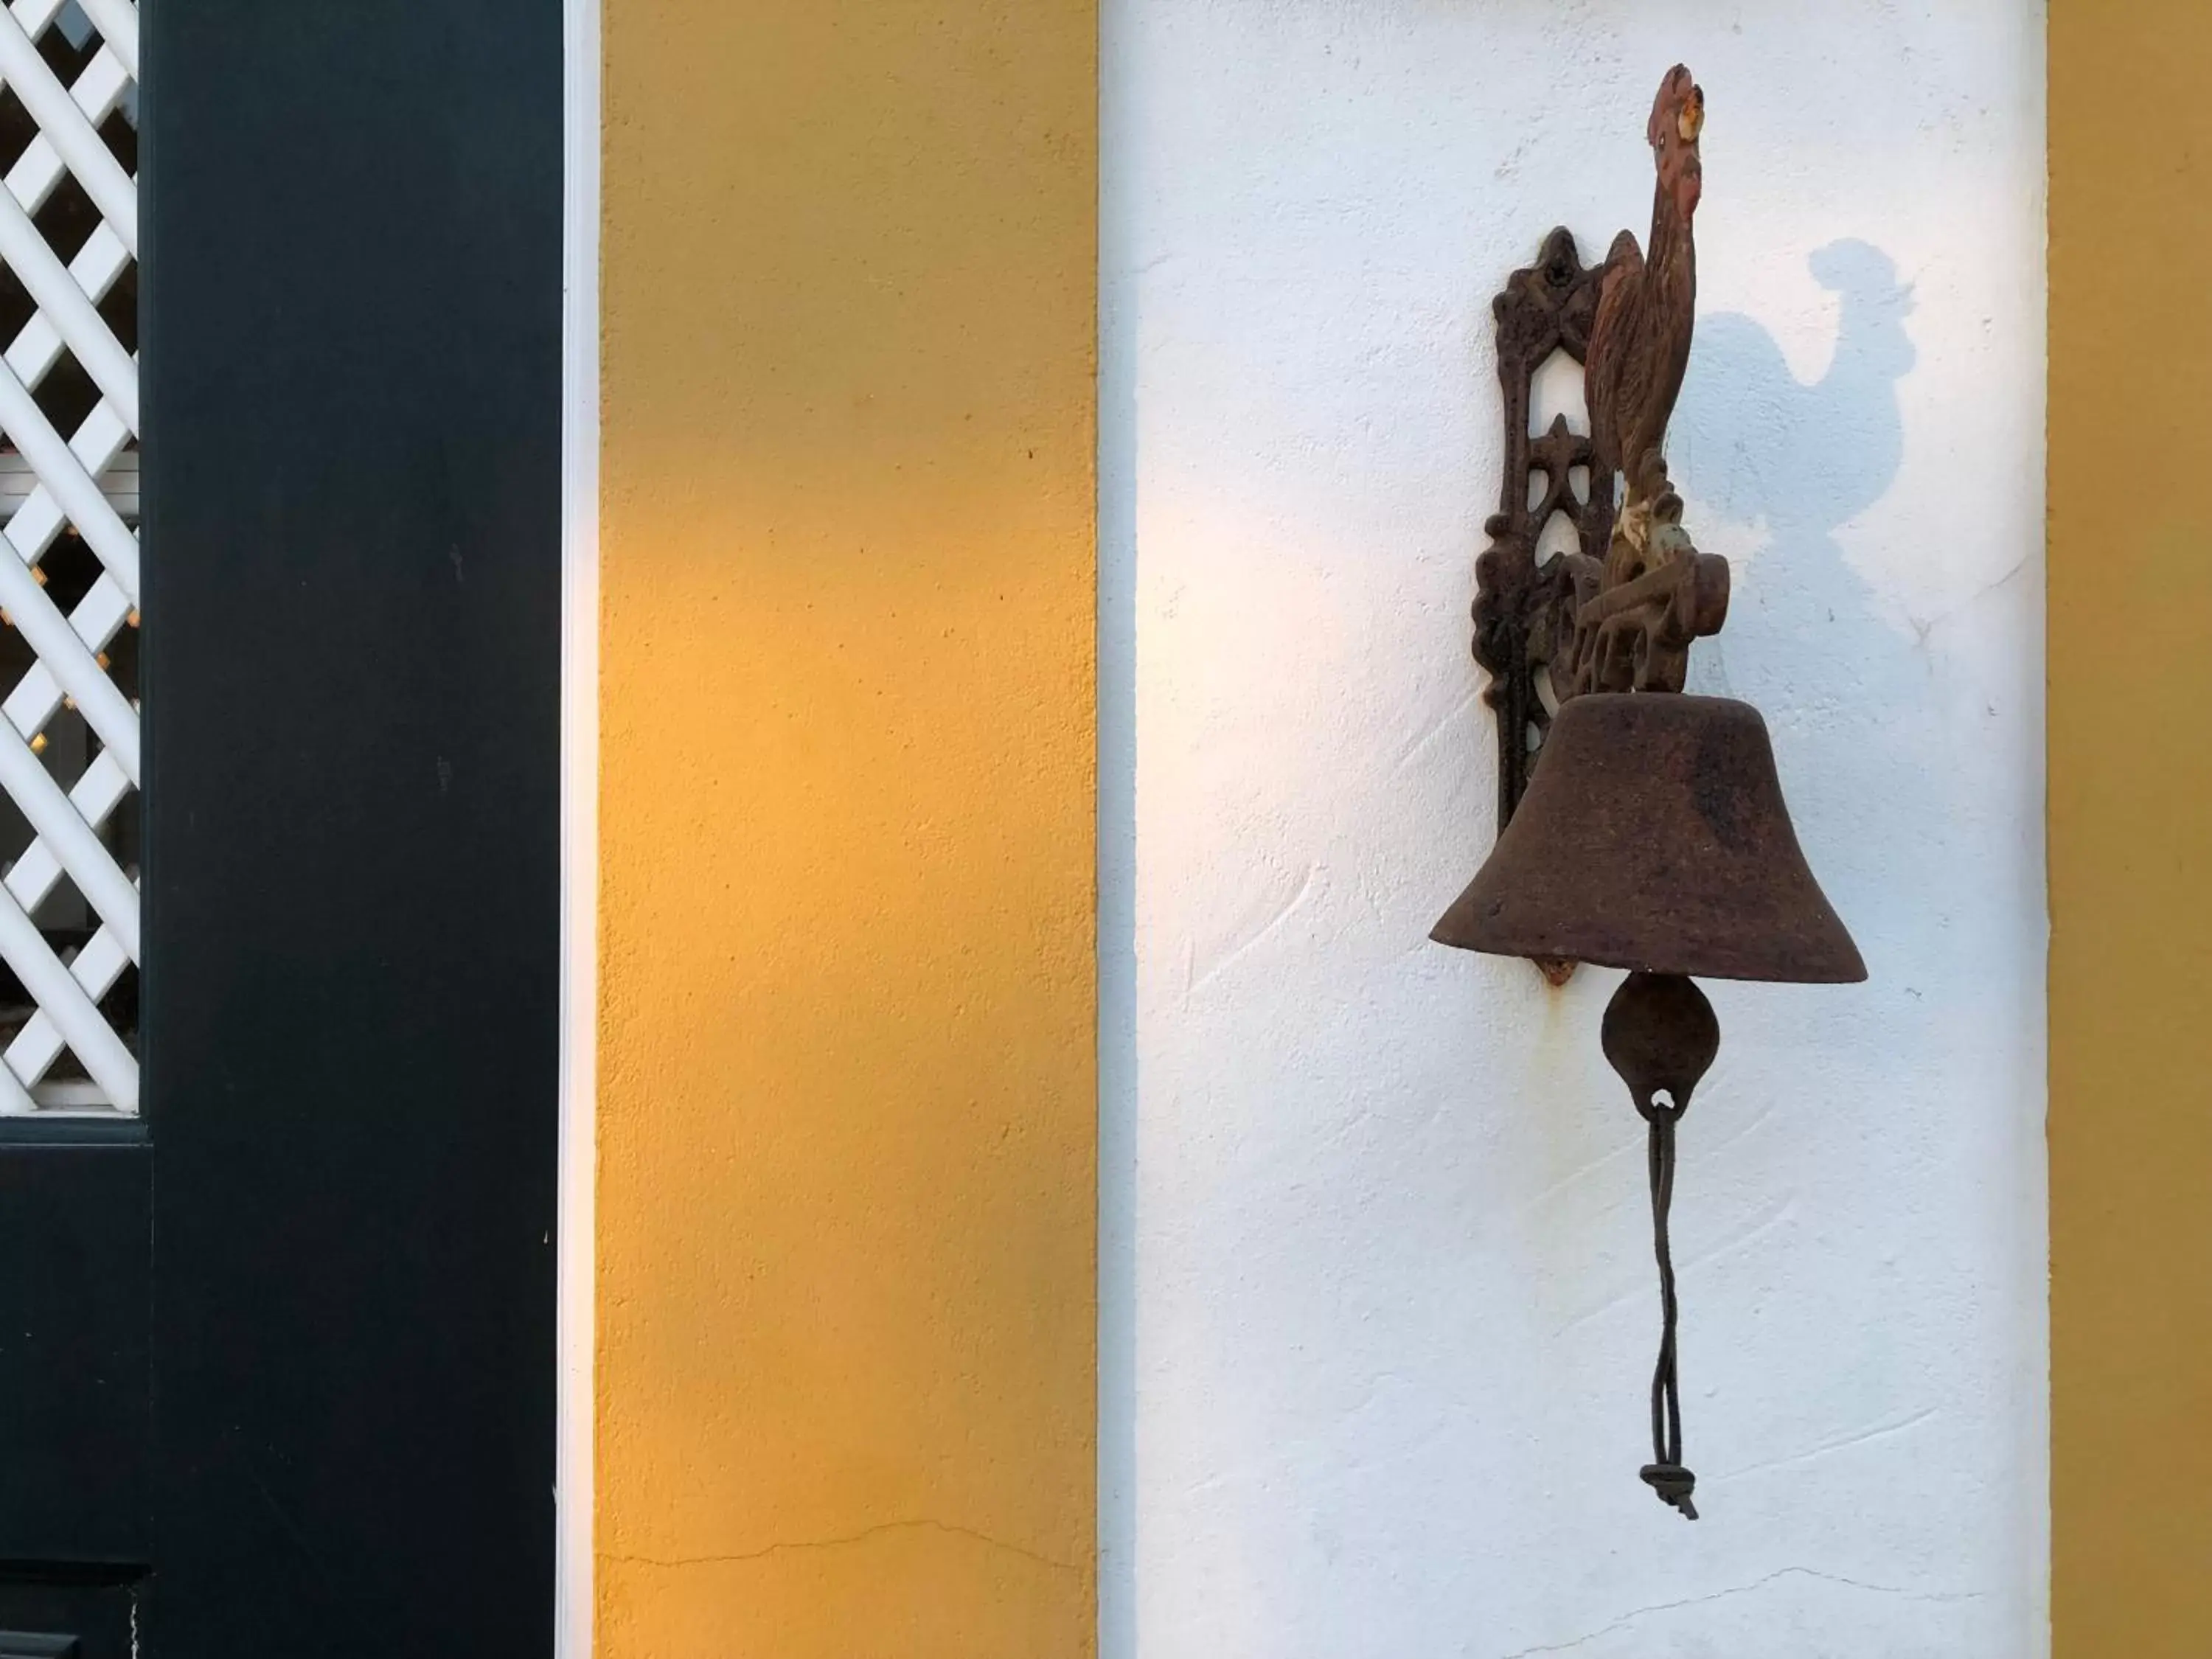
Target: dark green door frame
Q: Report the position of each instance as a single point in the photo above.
(303, 1400)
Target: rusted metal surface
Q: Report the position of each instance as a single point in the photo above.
(1655, 836)
(1544, 307)
(1662, 1035)
(1638, 827)
(1627, 624)
(1639, 338)
(1621, 611)
(1661, 842)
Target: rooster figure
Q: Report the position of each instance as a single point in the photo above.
(1625, 622)
(1640, 343)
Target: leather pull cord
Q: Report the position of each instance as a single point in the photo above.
(1664, 1474)
(1661, 1036)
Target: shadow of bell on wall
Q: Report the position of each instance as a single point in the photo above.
(1640, 828)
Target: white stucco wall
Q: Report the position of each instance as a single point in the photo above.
(1378, 1303)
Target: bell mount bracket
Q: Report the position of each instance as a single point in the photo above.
(1607, 616)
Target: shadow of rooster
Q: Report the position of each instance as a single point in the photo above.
(1755, 443)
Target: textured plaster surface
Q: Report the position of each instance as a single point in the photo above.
(847, 1090)
(2130, 831)
(1377, 1301)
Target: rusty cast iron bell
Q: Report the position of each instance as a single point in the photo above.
(1640, 828)
(1654, 838)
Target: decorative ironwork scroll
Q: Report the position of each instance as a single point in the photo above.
(1621, 611)
(1546, 307)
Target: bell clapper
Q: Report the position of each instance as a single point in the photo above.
(1661, 1035)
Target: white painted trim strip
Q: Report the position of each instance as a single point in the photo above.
(119, 481)
(577, 1258)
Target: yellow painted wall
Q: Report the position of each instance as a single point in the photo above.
(847, 1091)
(2130, 725)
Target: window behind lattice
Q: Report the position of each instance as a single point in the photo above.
(69, 576)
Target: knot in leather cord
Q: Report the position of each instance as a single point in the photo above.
(1674, 1484)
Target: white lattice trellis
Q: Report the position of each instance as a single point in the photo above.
(68, 575)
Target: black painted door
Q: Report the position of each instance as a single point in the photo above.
(277, 1361)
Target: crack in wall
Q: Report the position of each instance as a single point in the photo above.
(1281, 913)
(860, 1537)
(1859, 1437)
(1630, 1618)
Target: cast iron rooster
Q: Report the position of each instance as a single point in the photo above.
(1640, 342)
(1625, 622)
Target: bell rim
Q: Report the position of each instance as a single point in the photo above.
(1801, 940)
(1856, 974)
